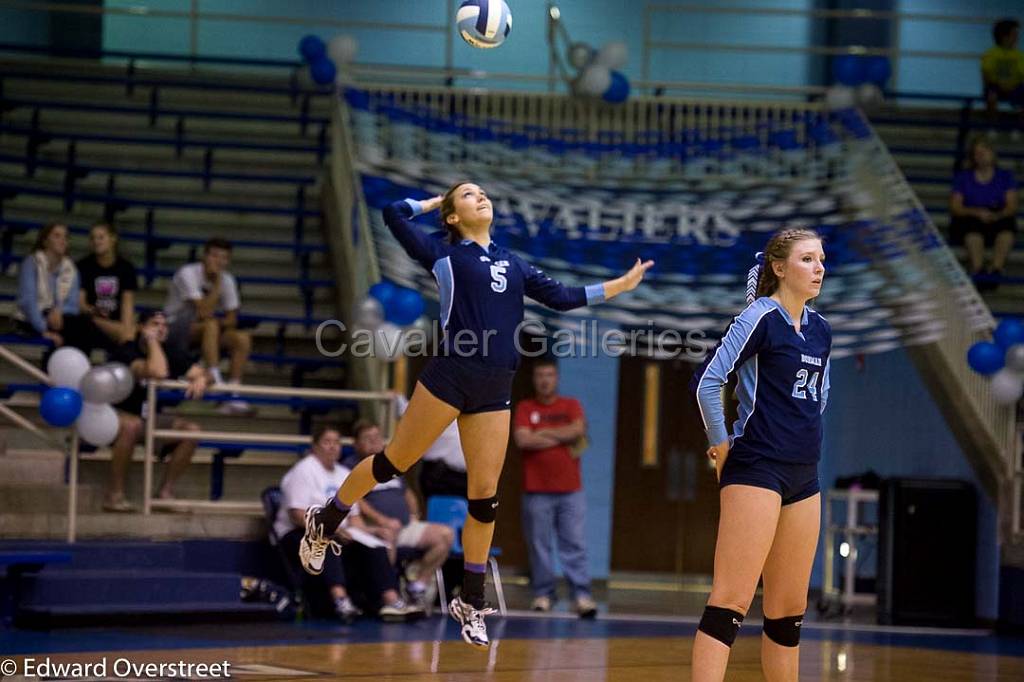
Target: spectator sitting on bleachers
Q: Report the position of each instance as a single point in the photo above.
(983, 207)
(1002, 70)
(309, 482)
(48, 286)
(108, 286)
(392, 512)
(149, 357)
(197, 293)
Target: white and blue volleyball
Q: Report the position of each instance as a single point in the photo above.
(484, 23)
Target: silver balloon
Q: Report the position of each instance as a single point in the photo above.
(99, 385)
(613, 55)
(840, 97)
(369, 313)
(1007, 386)
(869, 96)
(1015, 358)
(125, 380)
(342, 49)
(595, 80)
(580, 55)
(98, 424)
(388, 342)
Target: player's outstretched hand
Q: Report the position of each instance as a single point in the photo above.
(636, 274)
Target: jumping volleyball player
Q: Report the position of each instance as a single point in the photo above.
(767, 469)
(482, 287)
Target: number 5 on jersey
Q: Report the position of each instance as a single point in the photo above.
(802, 381)
(498, 280)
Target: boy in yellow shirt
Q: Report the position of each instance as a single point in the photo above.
(1002, 68)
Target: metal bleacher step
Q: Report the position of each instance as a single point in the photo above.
(134, 526)
(60, 615)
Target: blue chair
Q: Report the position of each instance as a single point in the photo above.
(452, 512)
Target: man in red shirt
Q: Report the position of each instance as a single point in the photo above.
(550, 432)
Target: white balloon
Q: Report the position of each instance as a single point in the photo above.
(1015, 358)
(342, 49)
(67, 366)
(388, 342)
(613, 55)
(1007, 386)
(595, 80)
(98, 424)
(869, 96)
(580, 55)
(839, 97)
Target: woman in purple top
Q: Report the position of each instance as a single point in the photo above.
(984, 210)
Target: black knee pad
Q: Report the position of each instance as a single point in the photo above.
(784, 631)
(722, 624)
(383, 469)
(485, 510)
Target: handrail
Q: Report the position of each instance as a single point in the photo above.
(70, 448)
(152, 432)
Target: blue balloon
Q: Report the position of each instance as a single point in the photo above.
(385, 292)
(1009, 332)
(323, 71)
(312, 48)
(406, 307)
(618, 91)
(877, 70)
(985, 357)
(60, 406)
(849, 69)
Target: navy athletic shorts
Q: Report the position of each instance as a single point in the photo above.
(467, 386)
(794, 482)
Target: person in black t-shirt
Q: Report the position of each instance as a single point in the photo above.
(108, 286)
(150, 357)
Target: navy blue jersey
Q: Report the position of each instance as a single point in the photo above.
(481, 289)
(782, 384)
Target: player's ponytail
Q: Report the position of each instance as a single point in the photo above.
(777, 249)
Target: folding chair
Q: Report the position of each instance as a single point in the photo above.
(271, 499)
(452, 512)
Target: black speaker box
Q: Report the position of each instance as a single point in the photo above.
(926, 552)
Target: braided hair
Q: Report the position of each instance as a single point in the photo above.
(762, 281)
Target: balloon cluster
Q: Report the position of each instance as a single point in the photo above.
(1002, 359)
(82, 395)
(859, 81)
(387, 311)
(597, 74)
(323, 59)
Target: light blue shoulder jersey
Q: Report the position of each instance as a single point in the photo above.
(782, 387)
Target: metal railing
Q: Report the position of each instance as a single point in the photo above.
(194, 17)
(153, 433)
(68, 446)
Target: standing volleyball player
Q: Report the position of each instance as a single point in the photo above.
(482, 287)
(767, 469)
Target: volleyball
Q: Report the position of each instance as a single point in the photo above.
(484, 23)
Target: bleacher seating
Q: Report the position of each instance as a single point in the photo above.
(926, 136)
(175, 157)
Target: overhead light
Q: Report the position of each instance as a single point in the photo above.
(555, 13)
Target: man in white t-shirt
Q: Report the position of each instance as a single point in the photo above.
(309, 482)
(198, 292)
